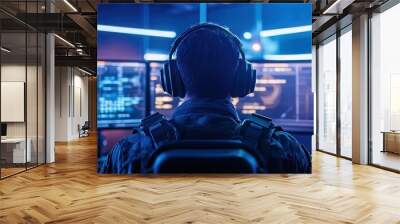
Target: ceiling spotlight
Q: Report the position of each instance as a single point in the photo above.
(5, 50)
(85, 72)
(247, 35)
(256, 47)
(339, 5)
(70, 5)
(64, 40)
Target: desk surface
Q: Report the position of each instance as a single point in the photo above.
(391, 132)
(13, 140)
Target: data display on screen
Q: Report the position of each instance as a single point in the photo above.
(161, 101)
(283, 92)
(121, 93)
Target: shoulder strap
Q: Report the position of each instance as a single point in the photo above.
(159, 129)
(136, 127)
(252, 129)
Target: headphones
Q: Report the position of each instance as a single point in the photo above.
(244, 79)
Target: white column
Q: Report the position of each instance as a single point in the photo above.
(50, 99)
(360, 90)
(50, 92)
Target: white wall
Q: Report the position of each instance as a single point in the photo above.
(33, 127)
(12, 73)
(61, 103)
(71, 94)
(80, 110)
(17, 73)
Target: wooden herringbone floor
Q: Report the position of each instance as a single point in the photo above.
(70, 191)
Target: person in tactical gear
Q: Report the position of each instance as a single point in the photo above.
(207, 67)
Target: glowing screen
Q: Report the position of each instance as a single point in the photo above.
(283, 92)
(121, 93)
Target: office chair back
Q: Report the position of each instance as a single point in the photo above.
(86, 125)
(218, 156)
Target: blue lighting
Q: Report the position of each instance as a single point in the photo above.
(203, 12)
(155, 57)
(136, 31)
(247, 35)
(288, 57)
(256, 47)
(129, 31)
(285, 31)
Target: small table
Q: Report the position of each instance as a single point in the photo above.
(391, 141)
(19, 155)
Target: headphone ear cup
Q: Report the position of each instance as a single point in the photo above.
(254, 79)
(248, 78)
(252, 74)
(237, 84)
(173, 81)
(244, 82)
(165, 78)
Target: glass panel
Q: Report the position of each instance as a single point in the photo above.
(31, 98)
(31, 85)
(346, 94)
(327, 96)
(13, 86)
(385, 84)
(22, 88)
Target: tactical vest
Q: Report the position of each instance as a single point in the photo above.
(162, 132)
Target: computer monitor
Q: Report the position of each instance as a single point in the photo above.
(3, 130)
(121, 94)
(283, 92)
